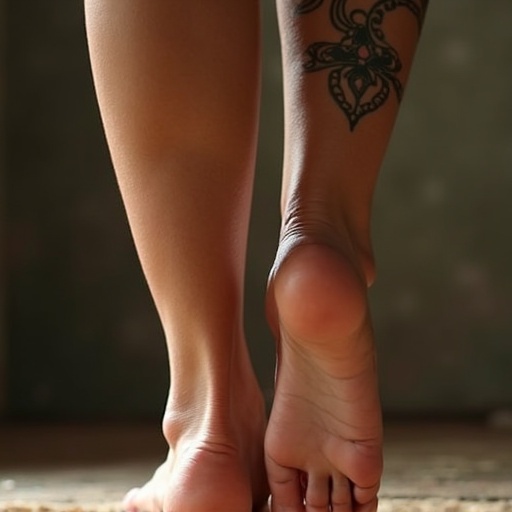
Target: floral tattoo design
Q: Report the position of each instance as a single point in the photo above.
(363, 65)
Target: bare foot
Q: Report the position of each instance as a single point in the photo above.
(213, 465)
(323, 442)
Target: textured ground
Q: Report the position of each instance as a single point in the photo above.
(445, 468)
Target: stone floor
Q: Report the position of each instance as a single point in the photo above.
(429, 467)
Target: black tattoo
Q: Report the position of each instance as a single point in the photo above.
(308, 6)
(364, 66)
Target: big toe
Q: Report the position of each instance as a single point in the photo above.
(129, 500)
(286, 488)
(141, 500)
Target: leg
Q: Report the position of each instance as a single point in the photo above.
(343, 82)
(178, 88)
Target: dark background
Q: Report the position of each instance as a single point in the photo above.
(79, 337)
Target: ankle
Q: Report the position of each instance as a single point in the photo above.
(182, 430)
(215, 406)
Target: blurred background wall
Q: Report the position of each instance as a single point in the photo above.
(3, 341)
(81, 337)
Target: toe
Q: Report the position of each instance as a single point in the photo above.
(368, 507)
(128, 504)
(285, 487)
(341, 494)
(317, 493)
(144, 499)
(364, 495)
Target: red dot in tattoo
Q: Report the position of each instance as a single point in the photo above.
(363, 52)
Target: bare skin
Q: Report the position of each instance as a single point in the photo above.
(178, 88)
(210, 466)
(181, 127)
(324, 440)
(325, 423)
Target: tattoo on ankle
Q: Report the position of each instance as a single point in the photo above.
(364, 66)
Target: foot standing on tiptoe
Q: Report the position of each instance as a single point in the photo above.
(345, 66)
